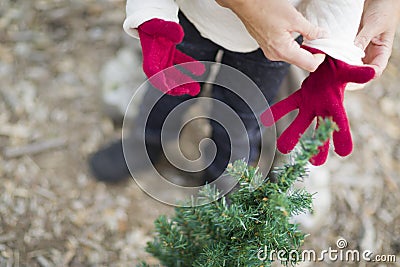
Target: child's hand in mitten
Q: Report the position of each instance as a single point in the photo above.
(321, 94)
(158, 39)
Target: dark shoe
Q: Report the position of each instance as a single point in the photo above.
(108, 164)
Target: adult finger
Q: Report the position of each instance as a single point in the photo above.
(306, 29)
(379, 63)
(300, 57)
(378, 52)
(365, 35)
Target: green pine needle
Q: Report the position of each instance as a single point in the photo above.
(258, 216)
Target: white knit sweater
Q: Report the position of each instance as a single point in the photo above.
(340, 18)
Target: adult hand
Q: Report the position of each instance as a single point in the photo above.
(271, 23)
(377, 29)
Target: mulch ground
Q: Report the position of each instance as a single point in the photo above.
(53, 213)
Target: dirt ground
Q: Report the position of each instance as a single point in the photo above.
(53, 213)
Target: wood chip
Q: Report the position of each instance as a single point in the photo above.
(7, 237)
(43, 262)
(34, 148)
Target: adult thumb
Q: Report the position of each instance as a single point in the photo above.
(364, 37)
(308, 30)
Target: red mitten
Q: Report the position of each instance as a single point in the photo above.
(321, 94)
(158, 39)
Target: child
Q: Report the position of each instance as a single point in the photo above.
(209, 28)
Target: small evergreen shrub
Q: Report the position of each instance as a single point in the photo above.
(257, 216)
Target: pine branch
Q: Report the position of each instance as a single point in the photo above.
(258, 216)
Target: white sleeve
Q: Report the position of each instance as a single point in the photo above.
(341, 19)
(140, 11)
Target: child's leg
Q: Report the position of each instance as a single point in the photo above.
(108, 164)
(267, 75)
(154, 109)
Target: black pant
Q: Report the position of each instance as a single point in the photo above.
(266, 74)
